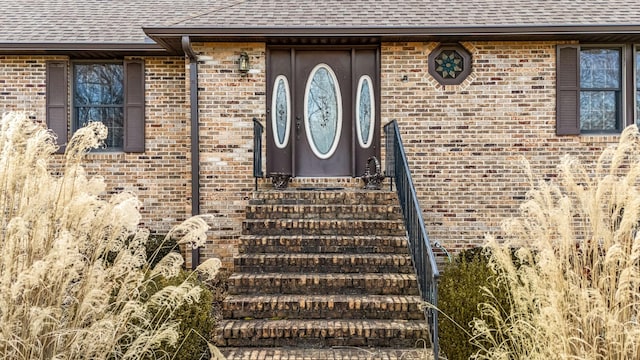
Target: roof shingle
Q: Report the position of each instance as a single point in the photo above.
(416, 13)
(121, 21)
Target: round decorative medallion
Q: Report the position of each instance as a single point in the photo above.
(450, 64)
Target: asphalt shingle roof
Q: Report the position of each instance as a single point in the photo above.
(90, 21)
(416, 13)
(122, 21)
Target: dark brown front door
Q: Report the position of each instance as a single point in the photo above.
(322, 111)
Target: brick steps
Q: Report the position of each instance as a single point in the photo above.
(334, 283)
(311, 332)
(320, 197)
(321, 270)
(345, 263)
(336, 353)
(365, 211)
(322, 307)
(325, 244)
(322, 227)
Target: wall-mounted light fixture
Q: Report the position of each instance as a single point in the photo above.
(243, 63)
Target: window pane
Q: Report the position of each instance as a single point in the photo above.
(323, 111)
(111, 117)
(600, 68)
(99, 84)
(599, 110)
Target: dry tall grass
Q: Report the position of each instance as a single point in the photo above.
(61, 295)
(575, 285)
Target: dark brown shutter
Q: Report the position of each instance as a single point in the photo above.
(134, 106)
(568, 90)
(58, 102)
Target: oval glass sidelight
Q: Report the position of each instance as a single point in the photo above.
(323, 111)
(365, 111)
(280, 111)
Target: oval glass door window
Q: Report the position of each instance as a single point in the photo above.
(323, 111)
(280, 113)
(365, 110)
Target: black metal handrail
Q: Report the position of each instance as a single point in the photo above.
(258, 129)
(397, 168)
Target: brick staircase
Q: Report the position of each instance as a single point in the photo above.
(323, 275)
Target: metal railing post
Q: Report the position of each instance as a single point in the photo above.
(257, 151)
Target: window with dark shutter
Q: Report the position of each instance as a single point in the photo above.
(109, 92)
(57, 101)
(568, 90)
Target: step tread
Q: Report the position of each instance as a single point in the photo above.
(323, 307)
(324, 283)
(271, 298)
(329, 276)
(330, 221)
(335, 353)
(325, 256)
(322, 332)
(324, 244)
(325, 323)
(346, 196)
(382, 207)
(319, 262)
(323, 227)
(320, 211)
(400, 238)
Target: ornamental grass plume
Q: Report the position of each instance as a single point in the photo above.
(574, 284)
(73, 268)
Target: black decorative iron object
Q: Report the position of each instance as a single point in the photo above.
(373, 180)
(280, 181)
(257, 151)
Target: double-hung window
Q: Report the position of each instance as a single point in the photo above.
(596, 89)
(98, 95)
(600, 90)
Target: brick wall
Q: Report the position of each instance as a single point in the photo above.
(22, 84)
(160, 176)
(464, 142)
(228, 103)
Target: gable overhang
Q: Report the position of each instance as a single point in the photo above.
(170, 37)
(85, 50)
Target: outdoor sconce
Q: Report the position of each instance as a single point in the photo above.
(243, 63)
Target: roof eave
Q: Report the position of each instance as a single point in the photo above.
(83, 50)
(624, 32)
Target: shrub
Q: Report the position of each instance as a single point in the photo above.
(578, 294)
(196, 319)
(159, 246)
(460, 290)
(61, 297)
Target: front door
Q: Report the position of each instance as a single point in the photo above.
(322, 111)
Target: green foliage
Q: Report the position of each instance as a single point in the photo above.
(460, 291)
(159, 246)
(196, 319)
